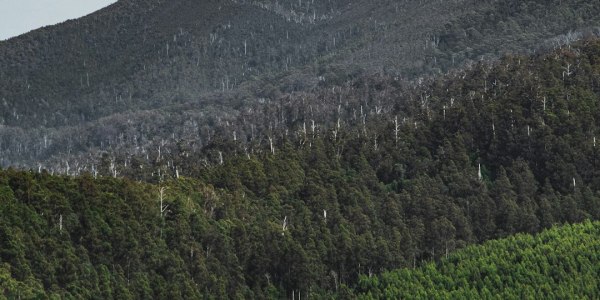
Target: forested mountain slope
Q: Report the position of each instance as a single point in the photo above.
(138, 61)
(308, 193)
(109, 238)
(561, 263)
(264, 149)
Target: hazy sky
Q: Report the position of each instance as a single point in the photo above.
(21, 16)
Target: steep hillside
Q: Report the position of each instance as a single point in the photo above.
(561, 263)
(136, 55)
(311, 192)
(141, 58)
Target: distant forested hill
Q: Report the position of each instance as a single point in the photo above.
(141, 60)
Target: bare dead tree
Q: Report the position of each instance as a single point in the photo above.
(284, 226)
(271, 145)
(163, 207)
(396, 129)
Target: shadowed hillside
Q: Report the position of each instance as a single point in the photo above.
(143, 57)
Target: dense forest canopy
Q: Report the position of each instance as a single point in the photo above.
(560, 263)
(311, 208)
(329, 149)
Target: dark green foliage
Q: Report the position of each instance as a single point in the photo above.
(230, 241)
(560, 263)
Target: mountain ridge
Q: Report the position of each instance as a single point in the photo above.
(122, 75)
